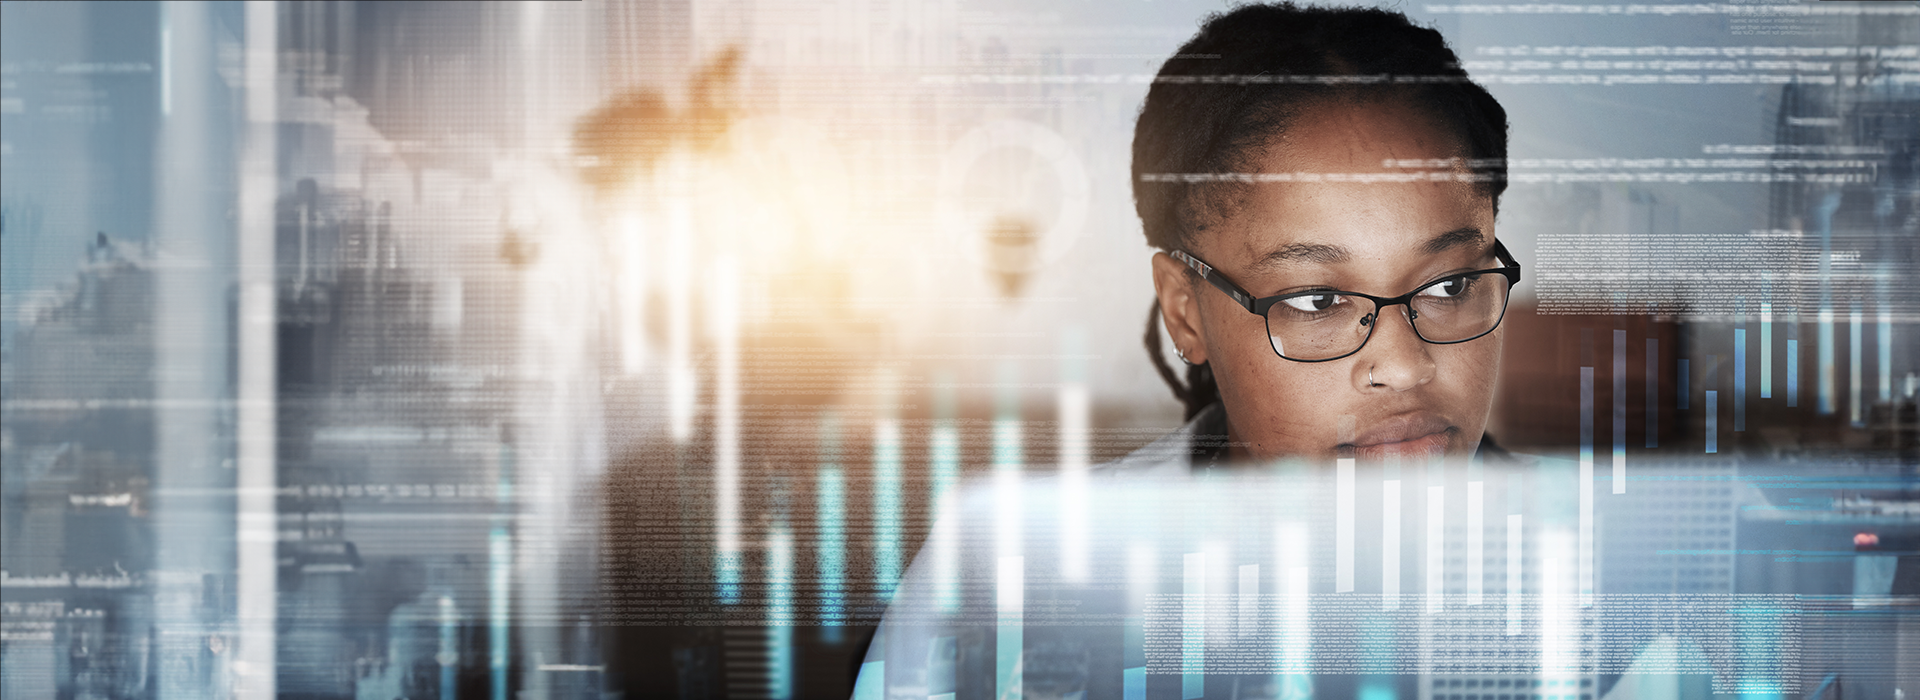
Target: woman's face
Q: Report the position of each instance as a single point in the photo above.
(1399, 396)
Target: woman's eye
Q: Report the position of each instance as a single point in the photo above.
(1451, 287)
(1313, 302)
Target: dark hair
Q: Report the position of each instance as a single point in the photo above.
(1239, 82)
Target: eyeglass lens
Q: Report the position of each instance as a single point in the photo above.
(1326, 326)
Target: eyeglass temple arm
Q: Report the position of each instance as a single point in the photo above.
(1207, 273)
(1500, 253)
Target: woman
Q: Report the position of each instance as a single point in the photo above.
(1321, 184)
(1294, 93)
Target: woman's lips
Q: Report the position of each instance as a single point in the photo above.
(1416, 435)
(1418, 448)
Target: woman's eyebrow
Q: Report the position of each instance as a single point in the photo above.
(1320, 253)
(1325, 254)
(1467, 236)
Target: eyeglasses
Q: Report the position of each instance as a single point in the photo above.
(1322, 325)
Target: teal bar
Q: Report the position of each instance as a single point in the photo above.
(1793, 373)
(1855, 411)
(1885, 333)
(1133, 683)
(1007, 650)
(1827, 363)
(1193, 635)
(1766, 350)
(1739, 379)
(871, 684)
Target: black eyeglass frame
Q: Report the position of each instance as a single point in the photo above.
(1259, 306)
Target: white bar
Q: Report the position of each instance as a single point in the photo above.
(1856, 407)
(1390, 544)
(1514, 589)
(680, 380)
(1476, 543)
(1193, 598)
(726, 430)
(1885, 333)
(1766, 350)
(1555, 652)
(1006, 477)
(1620, 411)
(255, 658)
(1142, 578)
(632, 302)
(1075, 410)
(1193, 632)
(1010, 598)
(1249, 600)
(1343, 527)
(1586, 533)
(943, 445)
(1436, 548)
(1292, 560)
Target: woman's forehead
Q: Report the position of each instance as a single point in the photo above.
(1334, 212)
(1352, 226)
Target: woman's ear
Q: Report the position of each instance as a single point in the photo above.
(1179, 308)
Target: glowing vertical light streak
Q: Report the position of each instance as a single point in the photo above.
(1390, 538)
(632, 299)
(500, 577)
(192, 519)
(448, 655)
(166, 63)
(886, 505)
(1557, 633)
(1295, 639)
(1713, 419)
(1827, 368)
(830, 519)
(1766, 350)
(256, 477)
(1476, 534)
(1075, 407)
(1436, 546)
(1586, 485)
(726, 431)
(1619, 411)
(1822, 220)
(1653, 393)
(1248, 601)
(1343, 526)
(1856, 407)
(943, 455)
(1193, 625)
(1007, 458)
(1586, 419)
(1514, 558)
(1142, 579)
(780, 612)
(680, 379)
(1793, 372)
(1884, 334)
(1739, 379)
(1010, 604)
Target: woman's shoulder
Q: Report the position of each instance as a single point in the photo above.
(1171, 455)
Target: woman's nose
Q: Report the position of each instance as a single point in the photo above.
(1395, 359)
